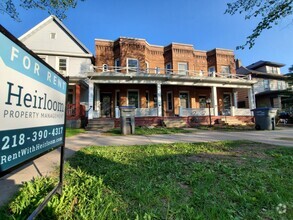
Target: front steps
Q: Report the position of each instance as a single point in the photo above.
(231, 121)
(174, 122)
(100, 124)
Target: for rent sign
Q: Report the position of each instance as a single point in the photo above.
(32, 104)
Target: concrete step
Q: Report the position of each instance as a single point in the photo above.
(102, 124)
(174, 122)
(232, 121)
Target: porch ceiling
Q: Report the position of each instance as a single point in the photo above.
(128, 78)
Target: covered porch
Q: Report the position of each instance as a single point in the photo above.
(167, 95)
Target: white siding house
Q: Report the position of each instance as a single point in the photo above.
(56, 45)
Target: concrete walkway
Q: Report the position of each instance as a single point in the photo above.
(44, 165)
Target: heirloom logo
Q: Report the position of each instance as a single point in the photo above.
(31, 100)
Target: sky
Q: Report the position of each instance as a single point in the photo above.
(201, 23)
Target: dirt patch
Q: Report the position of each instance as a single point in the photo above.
(238, 154)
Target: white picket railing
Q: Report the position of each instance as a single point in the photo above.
(133, 71)
(140, 112)
(185, 112)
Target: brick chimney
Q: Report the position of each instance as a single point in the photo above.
(238, 63)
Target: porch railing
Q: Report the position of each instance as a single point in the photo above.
(240, 111)
(144, 112)
(73, 113)
(133, 71)
(184, 112)
(140, 112)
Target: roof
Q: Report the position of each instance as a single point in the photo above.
(245, 71)
(53, 18)
(264, 63)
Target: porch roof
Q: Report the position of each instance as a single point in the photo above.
(218, 80)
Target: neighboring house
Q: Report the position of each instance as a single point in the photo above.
(56, 45)
(165, 81)
(271, 86)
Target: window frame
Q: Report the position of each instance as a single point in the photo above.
(63, 72)
(138, 97)
(132, 68)
(185, 71)
(170, 101)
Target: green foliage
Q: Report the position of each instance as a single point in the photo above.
(218, 180)
(150, 131)
(53, 7)
(73, 131)
(269, 11)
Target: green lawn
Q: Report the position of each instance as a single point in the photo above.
(217, 180)
(150, 131)
(74, 131)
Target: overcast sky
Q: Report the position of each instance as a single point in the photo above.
(201, 23)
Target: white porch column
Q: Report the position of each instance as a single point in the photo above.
(159, 97)
(251, 98)
(91, 100)
(98, 100)
(215, 100)
(235, 98)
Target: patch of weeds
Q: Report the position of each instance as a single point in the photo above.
(73, 131)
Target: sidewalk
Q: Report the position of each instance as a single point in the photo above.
(46, 164)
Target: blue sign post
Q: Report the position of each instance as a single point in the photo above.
(32, 107)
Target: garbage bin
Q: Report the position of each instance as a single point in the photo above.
(264, 118)
(127, 119)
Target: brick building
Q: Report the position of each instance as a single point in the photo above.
(164, 81)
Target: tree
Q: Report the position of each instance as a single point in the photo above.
(269, 11)
(291, 69)
(55, 7)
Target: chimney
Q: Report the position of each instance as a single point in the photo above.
(238, 63)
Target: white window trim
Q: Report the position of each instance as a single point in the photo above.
(147, 66)
(185, 63)
(202, 95)
(67, 65)
(264, 84)
(172, 102)
(168, 70)
(188, 97)
(127, 59)
(134, 90)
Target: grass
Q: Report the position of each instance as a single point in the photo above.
(218, 180)
(73, 131)
(149, 131)
(227, 127)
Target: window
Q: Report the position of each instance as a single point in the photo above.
(70, 97)
(225, 69)
(147, 99)
(147, 66)
(132, 65)
(212, 69)
(155, 98)
(184, 99)
(53, 36)
(117, 65)
(182, 68)
(266, 84)
(133, 98)
(62, 65)
(168, 68)
(169, 101)
(105, 67)
(202, 101)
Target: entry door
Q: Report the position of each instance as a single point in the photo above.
(106, 104)
(227, 103)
